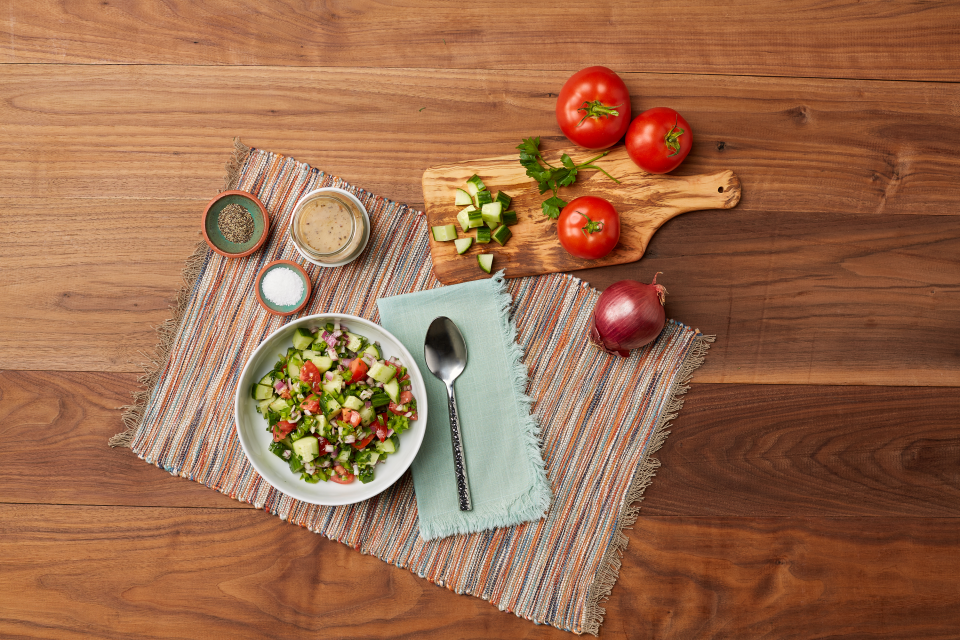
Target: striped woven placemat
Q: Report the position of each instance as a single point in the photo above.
(601, 416)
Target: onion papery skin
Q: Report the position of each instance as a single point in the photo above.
(628, 315)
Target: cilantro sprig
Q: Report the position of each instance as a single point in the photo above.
(551, 178)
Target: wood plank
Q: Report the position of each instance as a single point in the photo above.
(643, 201)
(734, 451)
(813, 451)
(55, 427)
(794, 298)
(162, 573)
(164, 132)
(888, 39)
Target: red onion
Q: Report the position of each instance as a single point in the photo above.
(628, 315)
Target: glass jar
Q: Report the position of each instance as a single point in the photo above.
(329, 227)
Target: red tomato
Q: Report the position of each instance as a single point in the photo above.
(282, 429)
(309, 373)
(363, 443)
(341, 475)
(588, 227)
(359, 370)
(406, 396)
(311, 404)
(593, 108)
(351, 416)
(396, 410)
(323, 442)
(381, 427)
(659, 140)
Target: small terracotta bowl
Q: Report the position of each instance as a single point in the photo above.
(211, 230)
(283, 310)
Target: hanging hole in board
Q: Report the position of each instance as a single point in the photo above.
(720, 190)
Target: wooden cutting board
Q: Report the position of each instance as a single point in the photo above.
(644, 202)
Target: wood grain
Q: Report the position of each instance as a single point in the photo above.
(644, 202)
(794, 298)
(155, 132)
(774, 450)
(112, 572)
(888, 39)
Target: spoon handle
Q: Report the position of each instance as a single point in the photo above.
(459, 461)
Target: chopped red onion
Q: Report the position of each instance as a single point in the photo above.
(328, 375)
(371, 381)
(279, 386)
(330, 448)
(349, 439)
(408, 414)
(306, 412)
(367, 403)
(389, 432)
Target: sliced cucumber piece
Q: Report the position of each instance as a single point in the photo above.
(475, 185)
(475, 218)
(508, 217)
(486, 261)
(483, 235)
(332, 406)
(386, 446)
(502, 234)
(307, 448)
(323, 363)
(264, 406)
(354, 342)
(392, 389)
(302, 338)
(503, 199)
(491, 214)
(444, 233)
(353, 402)
(279, 405)
(293, 370)
(262, 392)
(373, 350)
(463, 198)
(464, 217)
(367, 415)
(334, 386)
(381, 372)
(484, 197)
(463, 244)
(267, 380)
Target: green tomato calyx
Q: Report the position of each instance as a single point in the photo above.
(591, 226)
(671, 139)
(597, 109)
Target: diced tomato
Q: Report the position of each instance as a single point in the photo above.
(380, 427)
(282, 429)
(351, 416)
(359, 370)
(317, 389)
(309, 373)
(405, 377)
(342, 476)
(401, 410)
(311, 404)
(406, 396)
(285, 394)
(363, 443)
(323, 442)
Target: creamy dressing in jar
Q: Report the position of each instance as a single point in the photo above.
(325, 225)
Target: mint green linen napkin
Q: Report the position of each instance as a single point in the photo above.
(508, 484)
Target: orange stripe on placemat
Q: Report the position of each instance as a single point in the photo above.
(599, 415)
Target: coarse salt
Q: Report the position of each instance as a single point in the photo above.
(283, 287)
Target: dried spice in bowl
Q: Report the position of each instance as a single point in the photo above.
(235, 223)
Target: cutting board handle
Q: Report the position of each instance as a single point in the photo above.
(720, 190)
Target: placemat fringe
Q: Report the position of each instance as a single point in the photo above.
(609, 569)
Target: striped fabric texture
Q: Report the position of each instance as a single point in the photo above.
(600, 416)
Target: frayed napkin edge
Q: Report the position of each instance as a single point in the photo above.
(535, 502)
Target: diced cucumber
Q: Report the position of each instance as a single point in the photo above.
(464, 217)
(381, 372)
(264, 406)
(267, 380)
(262, 392)
(463, 244)
(444, 233)
(334, 386)
(486, 261)
(463, 198)
(484, 197)
(293, 370)
(354, 342)
(307, 448)
(503, 199)
(483, 235)
(344, 455)
(367, 415)
(475, 185)
(491, 214)
(373, 350)
(392, 389)
(302, 338)
(475, 219)
(332, 406)
(502, 234)
(353, 402)
(296, 359)
(279, 405)
(508, 217)
(387, 446)
(323, 363)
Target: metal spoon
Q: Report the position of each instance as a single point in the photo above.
(446, 354)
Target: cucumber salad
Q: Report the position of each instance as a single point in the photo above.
(334, 405)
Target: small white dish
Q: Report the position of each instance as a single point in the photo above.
(366, 230)
(255, 439)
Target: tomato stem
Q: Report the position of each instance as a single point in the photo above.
(671, 138)
(591, 226)
(597, 109)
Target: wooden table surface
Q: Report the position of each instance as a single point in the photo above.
(811, 485)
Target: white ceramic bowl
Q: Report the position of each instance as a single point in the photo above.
(255, 439)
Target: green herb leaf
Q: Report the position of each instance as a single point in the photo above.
(567, 162)
(552, 206)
